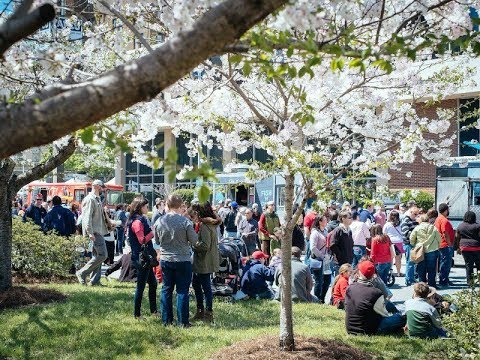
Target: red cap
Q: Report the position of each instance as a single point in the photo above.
(39, 196)
(257, 255)
(367, 269)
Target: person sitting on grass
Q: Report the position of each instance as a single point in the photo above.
(365, 306)
(128, 272)
(302, 282)
(423, 320)
(340, 285)
(276, 260)
(255, 277)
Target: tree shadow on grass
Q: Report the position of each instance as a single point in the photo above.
(20, 337)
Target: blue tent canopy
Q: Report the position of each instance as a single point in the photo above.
(474, 145)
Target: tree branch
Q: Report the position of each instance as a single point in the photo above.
(22, 9)
(128, 84)
(44, 168)
(6, 169)
(18, 28)
(128, 24)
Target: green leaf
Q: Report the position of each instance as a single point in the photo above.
(87, 135)
(247, 69)
(302, 71)
(203, 193)
(290, 51)
(236, 58)
(355, 63)
(292, 71)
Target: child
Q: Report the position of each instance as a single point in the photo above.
(276, 260)
(340, 286)
(423, 320)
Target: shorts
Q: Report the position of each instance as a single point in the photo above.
(399, 249)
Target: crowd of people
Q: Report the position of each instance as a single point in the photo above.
(347, 249)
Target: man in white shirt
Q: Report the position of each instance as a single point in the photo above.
(360, 235)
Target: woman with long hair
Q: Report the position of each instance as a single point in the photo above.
(205, 261)
(381, 252)
(394, 232)
(468, 234)
(318, 248)
(140, 233)
(426, 234)
(340, 285)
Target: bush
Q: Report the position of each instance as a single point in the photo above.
(35, 253)
(187, 195)
(464, 325)
(423, 199)
(128, 196)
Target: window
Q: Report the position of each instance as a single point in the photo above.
(468, 117)
(280, 192)
(79, 195)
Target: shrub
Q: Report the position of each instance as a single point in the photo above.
(35, 253)
(464, 325)
(128, 196)
(423, 199)
(187, 195)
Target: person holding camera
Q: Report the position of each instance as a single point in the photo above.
(139, 234)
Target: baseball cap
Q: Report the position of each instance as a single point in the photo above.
(257, 255)
(158, 201)
(98, 182)
(233, 204)
(270, 203)
(367, 269)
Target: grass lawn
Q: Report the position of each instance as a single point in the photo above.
(98, 323)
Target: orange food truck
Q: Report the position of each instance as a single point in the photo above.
(72, 191)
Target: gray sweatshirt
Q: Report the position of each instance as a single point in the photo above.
(176, 236)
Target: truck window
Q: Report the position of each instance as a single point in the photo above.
(476, 193)
(79, 194)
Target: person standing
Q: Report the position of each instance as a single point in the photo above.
(36, 211)
(230, 220)
(59, 219)
(407, 225)
(468, 234)
(269, 220)
(426, 235)
(366, 215)
(318, 249)
(341, 242)
(205, 262)
(256, 213)
(381, 252)
(393, 230)
(248, 229)
(380, 216)
(447, 233)
(360, 235)
(121, 217)
(176, 236)
(94, 226)
(139, 234)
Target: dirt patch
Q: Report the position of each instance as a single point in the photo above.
(21, 296)
(305, 348)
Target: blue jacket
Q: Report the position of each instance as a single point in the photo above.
(255, 277)
(36, 214)
(132, 237)
(61, 220)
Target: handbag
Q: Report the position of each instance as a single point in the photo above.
(417, 254)
(148, 257)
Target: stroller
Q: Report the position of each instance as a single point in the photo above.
(226, 281)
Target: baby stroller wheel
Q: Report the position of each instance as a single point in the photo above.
(390, 279)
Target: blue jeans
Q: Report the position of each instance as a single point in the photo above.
(120, 239)
(144, 276)
(202, 285)
(382, 271)
(232, 234)
(334, 267)
(446, 255)
(175, 275)
(317, 275)
(358, 252)
(391, 324)
(427, 269)
(410, 267)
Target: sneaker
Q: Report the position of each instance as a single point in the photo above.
(80, 278)
(156, 314)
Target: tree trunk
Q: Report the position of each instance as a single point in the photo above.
(287, 341)
(6, 170)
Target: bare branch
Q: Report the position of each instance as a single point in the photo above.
(44, 168)
(15, 29)
(382, 13)
(128, 24)
(128, 84)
